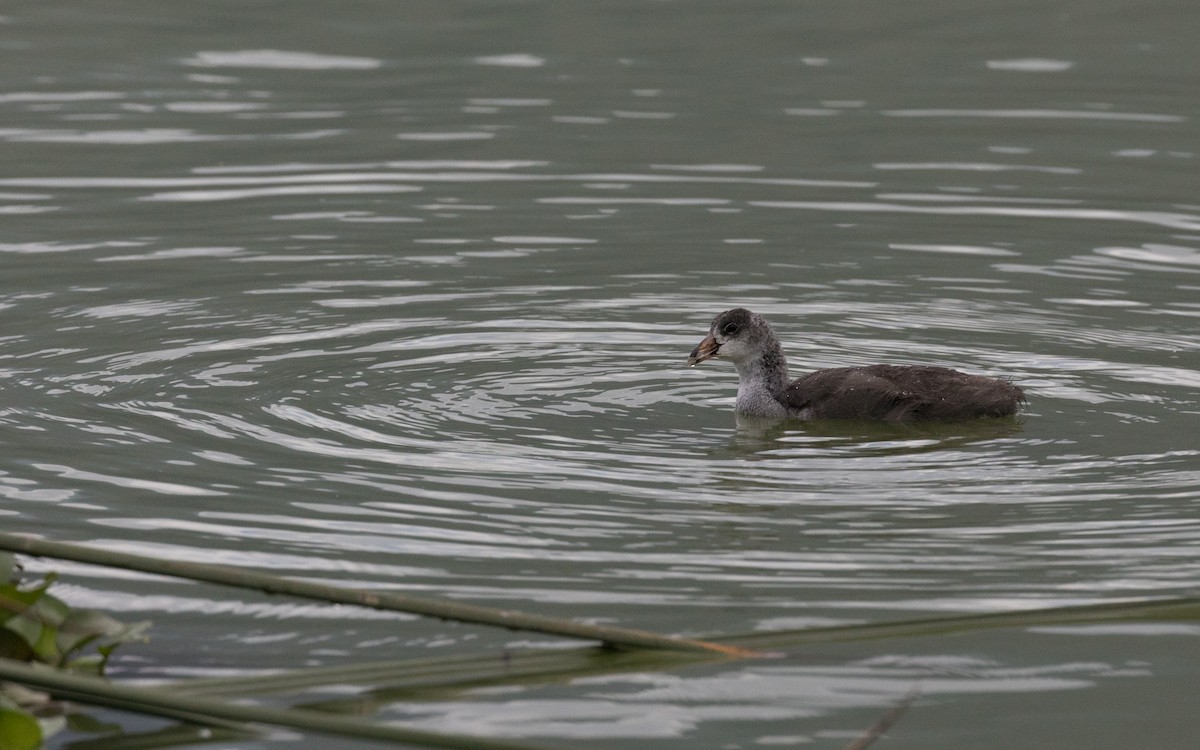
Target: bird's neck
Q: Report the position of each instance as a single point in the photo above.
(762, 380)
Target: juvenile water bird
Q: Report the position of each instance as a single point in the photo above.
(894, 393)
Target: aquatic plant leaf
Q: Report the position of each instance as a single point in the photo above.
(27, 630)
(83, 627)
(33, 616)
(15, 600)
(38, 626)
(49, 609)
(13, 646)
(99, 630)
(18, 730)
(88, 724)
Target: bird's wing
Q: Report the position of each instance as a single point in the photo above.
(851, 393)
(902, 393)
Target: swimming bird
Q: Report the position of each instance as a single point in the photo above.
(893, 393)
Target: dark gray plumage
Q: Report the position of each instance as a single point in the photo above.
(893, 393)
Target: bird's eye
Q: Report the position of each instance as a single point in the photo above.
(730, 329)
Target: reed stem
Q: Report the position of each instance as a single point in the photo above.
(158, 701)
(439, 608)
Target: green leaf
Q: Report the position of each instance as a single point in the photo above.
(14, 600)
(18, 730)
(25, 629)
(46, 647)
(50, 610)
(83, 626)
(13, 646)
(84, 723)
(92, 664)
(37, 626)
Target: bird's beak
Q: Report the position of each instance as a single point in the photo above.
(706, 349)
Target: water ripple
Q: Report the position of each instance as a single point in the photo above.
(1165, 219)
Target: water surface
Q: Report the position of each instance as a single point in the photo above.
(402, 298)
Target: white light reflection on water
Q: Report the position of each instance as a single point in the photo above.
(1164, 219)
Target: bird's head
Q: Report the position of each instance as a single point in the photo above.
(736, 335)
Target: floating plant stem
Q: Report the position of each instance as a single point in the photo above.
(159, 701)
(439, 608)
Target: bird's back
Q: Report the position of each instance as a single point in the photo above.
(900, 394)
